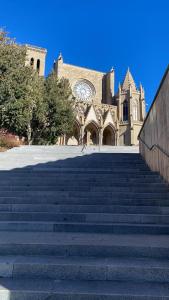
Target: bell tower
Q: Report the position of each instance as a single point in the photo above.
(131, 110)
(36, 57)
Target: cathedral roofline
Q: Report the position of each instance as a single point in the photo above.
(60, 58)
(40, 49)
(85, 68)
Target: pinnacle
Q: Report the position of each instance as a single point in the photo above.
(128, 81)
(60, 56)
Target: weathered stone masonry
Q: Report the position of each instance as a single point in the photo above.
(102, 117)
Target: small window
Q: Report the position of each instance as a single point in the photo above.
(32, 62)
(38, 65)
(125, 110)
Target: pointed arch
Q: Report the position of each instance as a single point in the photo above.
(74, 139)
(109, 135)
(109, 119)
(91, 133)
(92, 122)
(91, 115)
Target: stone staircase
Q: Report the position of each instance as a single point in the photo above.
(82, 226)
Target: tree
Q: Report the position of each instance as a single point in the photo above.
(22, 109)
(31, 106)
(60, 115)
(25, 115)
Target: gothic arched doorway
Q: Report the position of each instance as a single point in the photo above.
(109, 136)
(91, 134)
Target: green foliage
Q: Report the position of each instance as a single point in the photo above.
(30, 106)
(21, 90)
(25, 114)
(59, 99)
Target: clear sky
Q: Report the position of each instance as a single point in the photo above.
(97, 34)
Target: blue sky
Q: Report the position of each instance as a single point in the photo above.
(97, 34)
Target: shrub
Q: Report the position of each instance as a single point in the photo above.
(9, 140)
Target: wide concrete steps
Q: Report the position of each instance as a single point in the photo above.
(82, 227)
(32, 172)
(64, 200)
(98, 222)
(89, 187)
(90, 208)
(46, 266)
(85, 217)
(84, 244)
(85, 268)
(117, 228)
(19, 289)
(81, 195)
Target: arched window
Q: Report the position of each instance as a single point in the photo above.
(32, 62)
(125, 110)
(135, 110)
(38, 65)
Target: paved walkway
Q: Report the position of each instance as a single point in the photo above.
(33, 155)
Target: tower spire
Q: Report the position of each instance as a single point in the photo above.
(60, 57)
(128, 82)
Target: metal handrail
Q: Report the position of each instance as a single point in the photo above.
(154, 146)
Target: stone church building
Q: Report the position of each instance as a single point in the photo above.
(103, 117)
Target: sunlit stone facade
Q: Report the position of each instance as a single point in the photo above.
(103, 117)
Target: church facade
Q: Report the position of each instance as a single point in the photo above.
(103, 117)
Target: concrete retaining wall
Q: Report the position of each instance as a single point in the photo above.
(154, 135)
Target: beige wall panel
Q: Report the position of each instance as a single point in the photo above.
(155, 131)
(37, 54)
(74, 73)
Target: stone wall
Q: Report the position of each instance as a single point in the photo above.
(37, 54)
(74, 73)
(105, 108)
(154, 135)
